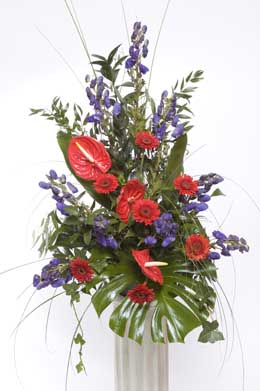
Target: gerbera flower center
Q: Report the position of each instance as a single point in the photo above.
(197, 247)
(105, 183)
(145, 211)
(186, 185)
(81, 270)
(131, 200)
(146, 140)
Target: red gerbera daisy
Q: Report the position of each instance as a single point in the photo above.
(146, 140)
(105, 183)
(146, 211)
(132, 191)
(197, 247)
(88, 157)
(186, 185)
(81, 270)
(141, 294)
(153, 272)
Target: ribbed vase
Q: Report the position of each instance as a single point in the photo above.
(141, 368)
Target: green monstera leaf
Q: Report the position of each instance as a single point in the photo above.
(183, 303)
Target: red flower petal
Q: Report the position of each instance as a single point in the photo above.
(81, 270)
(141, 294)
(132, 191)
(146, 211)
(146, 140)
(185, 185)
(88, 157)
(153, 272)
(105, 183)
(197, 247)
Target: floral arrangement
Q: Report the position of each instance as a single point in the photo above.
(141, 237)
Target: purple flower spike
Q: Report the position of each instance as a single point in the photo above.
(167, 241)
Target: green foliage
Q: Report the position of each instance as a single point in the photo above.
(175, 160)
(210, 332)
(79, 340)
(109, 67)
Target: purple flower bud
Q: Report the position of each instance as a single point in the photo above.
(217, 179)
(204, 198)
(150, 240)
(72, 188)
(225, 252)
(62, 179)
(36, 280)
(44, 185)
(175, 121)
(116, 109)
(93, 83)
(156, 119)
(130, 63)
(144, 28)
(219, 235)
(168, 240)
(58, 282)
(55, 262)
(200, 207)
(164, 94)
(137, 26)
(145, 51)
(57, 198)
(143, 69)
(111, 242)
(55, 190)
(178, 131)
(53, 174)
(214, 255)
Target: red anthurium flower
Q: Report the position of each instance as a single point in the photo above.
(146, 140)
(141, 294)
(132, 191)
(81, 270)
(88, 157)
(186, 185)
(146, 211)
(105, 183)
(153, 272)
(197, 247)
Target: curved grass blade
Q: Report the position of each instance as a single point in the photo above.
(23, 265)
(157, 40)
(48, 318)
(36, 308)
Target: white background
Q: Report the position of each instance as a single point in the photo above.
(220, 37)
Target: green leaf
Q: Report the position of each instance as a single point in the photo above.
(106, 294)
(79, 340)
(63, 141)
(179, 320)
(217, 192)
(112, 54)
(210, 332)
(137, 323)
(87, 237)
(175, 159)
(120, 316)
